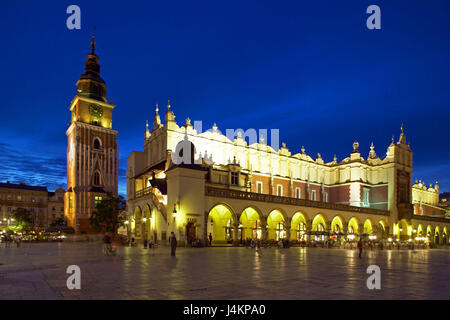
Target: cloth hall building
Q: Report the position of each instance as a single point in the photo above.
(235, 191)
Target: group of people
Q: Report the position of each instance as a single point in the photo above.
(8, 240)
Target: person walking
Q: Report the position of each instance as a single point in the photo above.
(173, 244)
(145, 243)
(360, 247)
(210, 239)
(107, 244)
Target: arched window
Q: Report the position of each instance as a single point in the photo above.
(96, 178)
(97, 143)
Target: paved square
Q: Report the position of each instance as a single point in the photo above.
(38, 271)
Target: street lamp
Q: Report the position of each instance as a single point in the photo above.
(174, 213)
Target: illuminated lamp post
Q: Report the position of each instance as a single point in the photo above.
(174, 213)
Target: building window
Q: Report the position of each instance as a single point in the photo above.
(313, 195)
(279, 190)
(325, 197)
(70, 202)
(97, 144)
(19, 197)
(96, 178)
(366, 199)
(235, 178)
(32, 199)
(9, 197)
(9, 209)
(97, 200)
(259, 187)
(297, 193)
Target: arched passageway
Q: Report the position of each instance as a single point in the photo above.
(221, 224)
(381, 232)
(318, 228)
(276, 226)
(136, 223)
(353, 229)
(250, 226)
(299, 227)
(337, 232)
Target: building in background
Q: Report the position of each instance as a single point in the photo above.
(235, 191)
(56, 205)
(92, 152)
(43, 205)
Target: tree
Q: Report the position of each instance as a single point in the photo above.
(107, 215)
(60, 221)
(23, 218)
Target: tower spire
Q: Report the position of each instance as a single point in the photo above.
(402, 135)
(156, 119)
(93, 43)
(91, 84)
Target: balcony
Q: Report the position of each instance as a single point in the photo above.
(143, 192)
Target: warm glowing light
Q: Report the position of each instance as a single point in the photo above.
(390, 239)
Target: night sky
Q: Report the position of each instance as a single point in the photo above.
(309, 68)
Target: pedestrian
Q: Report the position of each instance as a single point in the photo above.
(18, 241)
(210, 239)
(145, 243)
(173, 244)
(360, 247)
(107, 244)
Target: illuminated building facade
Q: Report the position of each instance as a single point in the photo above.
(92, 152)
(235, 191)
(44, 206)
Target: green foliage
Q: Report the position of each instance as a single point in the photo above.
(58, 222)
(107, 215)
(23, 219)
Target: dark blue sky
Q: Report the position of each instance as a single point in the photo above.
(310, 68)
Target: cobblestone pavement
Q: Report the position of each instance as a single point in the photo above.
(38, 271)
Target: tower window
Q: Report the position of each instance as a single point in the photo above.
(96, 178)
(97, 200)
(313, 195)
(97, 144)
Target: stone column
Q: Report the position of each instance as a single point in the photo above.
(288, 228)
(236, 234)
